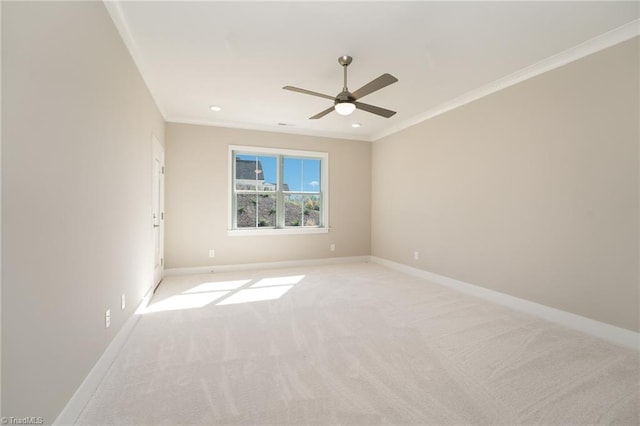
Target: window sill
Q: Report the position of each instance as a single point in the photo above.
(273, 231)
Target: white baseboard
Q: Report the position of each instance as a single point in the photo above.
(617, 335)
(263, 265)
(85, 391)
(608, 332)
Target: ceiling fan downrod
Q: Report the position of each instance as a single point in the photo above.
(346, 102)
(345, 61)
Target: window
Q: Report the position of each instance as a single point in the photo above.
(277, 191)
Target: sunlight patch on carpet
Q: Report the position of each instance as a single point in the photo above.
(186, 301)
(256, 295)
(218, 286)
(269, 282)
(227, 293)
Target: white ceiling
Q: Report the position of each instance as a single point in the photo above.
(239, 55)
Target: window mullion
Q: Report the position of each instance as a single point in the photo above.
(320, 219)
(302, 202)
(234, 197)
(243, 190)
(280, 194)
(257, 209)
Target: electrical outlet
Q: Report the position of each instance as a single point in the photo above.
(416, 255)
(212, 253)
(332, 247)
(123, 302)
(107, 318)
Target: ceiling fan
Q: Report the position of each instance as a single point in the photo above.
(346, 102)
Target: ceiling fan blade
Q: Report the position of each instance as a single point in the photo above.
(308, 92)
(383, 81)
(374, 109)
(321, 114)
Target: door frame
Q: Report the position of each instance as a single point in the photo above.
(157, 154)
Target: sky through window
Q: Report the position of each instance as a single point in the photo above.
(300, 174)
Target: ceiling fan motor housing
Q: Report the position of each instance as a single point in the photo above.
(345, 102)
(343, 97)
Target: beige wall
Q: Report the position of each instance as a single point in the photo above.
(197, 207)
(76, 197)
(532, 191)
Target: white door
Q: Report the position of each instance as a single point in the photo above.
(158, 211)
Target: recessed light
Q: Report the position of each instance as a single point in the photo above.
(215, 108)
(356, 125)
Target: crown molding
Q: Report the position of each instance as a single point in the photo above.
(589, 47)
(117, 16)
(268, 128)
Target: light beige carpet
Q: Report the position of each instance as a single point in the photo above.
(355, 344)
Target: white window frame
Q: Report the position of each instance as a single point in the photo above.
(324, 185)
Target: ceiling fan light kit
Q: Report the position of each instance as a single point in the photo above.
(346, 102)
(344, 108)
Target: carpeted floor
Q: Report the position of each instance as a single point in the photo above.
(355, 344)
